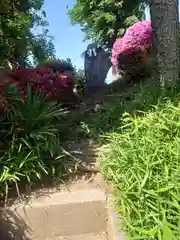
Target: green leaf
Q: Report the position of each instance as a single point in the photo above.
(167, 233)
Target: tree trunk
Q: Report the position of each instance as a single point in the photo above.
(165, 24)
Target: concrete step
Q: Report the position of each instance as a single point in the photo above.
(89, 236)
(74, 213)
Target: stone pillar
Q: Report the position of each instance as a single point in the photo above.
(96, 65)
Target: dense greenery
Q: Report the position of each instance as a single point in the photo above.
(139, 130)
(140, 127)
(17, 41)
(105, 20)
(80, 81)
(31, 134)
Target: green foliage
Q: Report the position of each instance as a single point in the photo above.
(105, 20)
(17, 42)
(141, 161)
(30, 139)
(70, 64)
(43, 49)
(80, 81)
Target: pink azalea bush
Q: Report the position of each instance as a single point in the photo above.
(136, 40)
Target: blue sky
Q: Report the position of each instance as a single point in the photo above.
(68, 39)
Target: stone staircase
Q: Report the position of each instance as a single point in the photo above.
(78, 211)
(68, 215)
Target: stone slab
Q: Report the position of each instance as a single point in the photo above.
(56, 215)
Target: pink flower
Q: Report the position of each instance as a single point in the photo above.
(137, 38)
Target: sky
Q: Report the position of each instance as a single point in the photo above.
(68, 39)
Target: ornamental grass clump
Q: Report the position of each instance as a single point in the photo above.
(30, 139)
(142, 162)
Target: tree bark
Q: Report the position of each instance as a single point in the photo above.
(165, 24)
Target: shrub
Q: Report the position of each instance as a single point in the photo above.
(55, 81)
(60, 65)
(30, 138)
(130, 53)
(56, 85)
(142, 161)
(80, 80)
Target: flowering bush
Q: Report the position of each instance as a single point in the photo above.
(54, 84)
(133, 47)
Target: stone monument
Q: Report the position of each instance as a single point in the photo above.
(96, 65)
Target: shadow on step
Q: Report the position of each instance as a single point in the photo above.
(12, 226)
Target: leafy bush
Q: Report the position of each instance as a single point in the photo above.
(80, 80)
(30, 138)
(60, 65)
(142, 161)
(55, 81)
(57, 85)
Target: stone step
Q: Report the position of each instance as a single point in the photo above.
(89, 236)
(56, 215)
